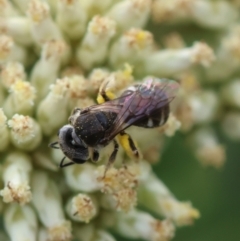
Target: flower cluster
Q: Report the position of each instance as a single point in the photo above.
(54, 56)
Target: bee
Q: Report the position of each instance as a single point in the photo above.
(90, 129)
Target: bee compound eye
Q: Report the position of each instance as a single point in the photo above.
(78, 140)
(73, 149)
(71, 139)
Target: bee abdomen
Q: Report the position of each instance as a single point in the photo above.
(155, 119)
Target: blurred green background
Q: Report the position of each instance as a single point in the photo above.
(216, 193)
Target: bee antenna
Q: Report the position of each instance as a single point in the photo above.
(54, 145)
(62, 164)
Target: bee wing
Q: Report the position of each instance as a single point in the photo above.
(114, 105)
(148, 98)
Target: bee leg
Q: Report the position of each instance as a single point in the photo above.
(105, 95)
(112, 158)
(128, 145)
(54, 145)
(66, 164)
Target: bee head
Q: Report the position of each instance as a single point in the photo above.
(72, 146)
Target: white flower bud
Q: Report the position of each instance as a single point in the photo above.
(43, 27)
(214, 15)
(12, 72)
(11, 51)
(132, 47)
(154, 195)
(227, 57)
(21, 223)
(122, 200)
(18, 28)
(132, 13)
(208, 14)
(25, 132)
(47, 201)
(204, 106)
(21, 99)
(94, 47)
(169, 62)
(207, 148)
(82, 207)
(141, 225)
(16, 176)
(71, 18)
(77, 91)
(46, 69)
(82, 177)
(54, 102)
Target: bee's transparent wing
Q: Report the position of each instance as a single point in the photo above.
(114, 105)
(147, 101)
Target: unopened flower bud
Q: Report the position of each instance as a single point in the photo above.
(54, 103)
(132, 47)
(43, 27)
(45, 71)
(160, 200)
(21, 222)
(16, 176)
(141, 225)
(25, 132)
(21, 99)
(93, 49)
(207, 148)
(47, 201)
(204, 13)
(174, 61)
(71, 18)
(12, 72)
(132, 13)
(82, 207)
(18, 27)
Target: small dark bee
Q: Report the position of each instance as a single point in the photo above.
(145, 105)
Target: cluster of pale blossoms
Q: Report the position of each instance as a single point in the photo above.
(54, 55)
